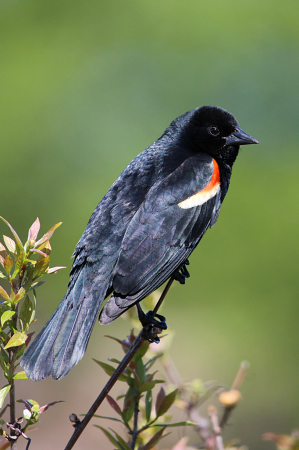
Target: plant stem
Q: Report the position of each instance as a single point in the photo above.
(112, 380)
(12, 393)
(236, 386)
(135, 427)
(12, 401)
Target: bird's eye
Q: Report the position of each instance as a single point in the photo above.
(214, 131)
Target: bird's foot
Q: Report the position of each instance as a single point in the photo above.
(151, 326)
(182, 273)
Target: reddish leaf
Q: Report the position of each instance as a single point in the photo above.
(4, 294)
(19, 295)
(55, 269)
(27, 403)
(29, 337)
(113, 404)
(124, 344)
(166, 403)
(33, 231)
(45, 407)
(36, 250)
(153, 441)
(8, 263)
(159, 398)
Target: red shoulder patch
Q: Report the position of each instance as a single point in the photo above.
(206, 193)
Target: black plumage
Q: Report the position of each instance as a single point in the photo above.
(141, 232)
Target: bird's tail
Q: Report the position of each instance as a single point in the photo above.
(62, 342)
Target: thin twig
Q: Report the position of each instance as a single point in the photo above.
(235, 386)
(216, 428)
(118, 371)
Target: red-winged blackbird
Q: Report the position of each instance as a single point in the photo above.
(141, 232)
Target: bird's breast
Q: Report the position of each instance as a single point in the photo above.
(209, 191)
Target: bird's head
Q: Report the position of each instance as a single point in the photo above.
(216, 131)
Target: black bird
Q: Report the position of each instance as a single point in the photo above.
(141, 232)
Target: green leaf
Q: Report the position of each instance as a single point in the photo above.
(19, 295)
(36, 285)
(19, 245)
(4, 360)
(166, 403)
(142, 350)
(152, 361)
(10, 244)
(129, 405)
(148, 405)
(107, 417)
(41, 266)
(110, 370)
(47, 236)
(147, 386)
(153, 441)
(2, 275)
(139, 367)
(19, 264)
(6, 316)
(186, 423)
(16, 340)
(110, 437)
(27, 312)
(20, 376)
(121, 441)
(3, 393)
(21, 349)
(4, 294)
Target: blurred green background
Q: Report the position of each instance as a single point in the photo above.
(86, 86)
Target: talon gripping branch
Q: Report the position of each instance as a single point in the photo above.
(141, 232)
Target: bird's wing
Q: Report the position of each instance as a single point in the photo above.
(164, 231)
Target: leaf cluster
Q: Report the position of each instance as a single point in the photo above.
(139, 413)
(22, 267)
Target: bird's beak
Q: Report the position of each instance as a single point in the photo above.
(239, 137)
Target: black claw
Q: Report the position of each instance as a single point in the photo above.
(182, 273)
(151, 326)
(178, 276)
(185, 272)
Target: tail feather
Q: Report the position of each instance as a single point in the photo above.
(62, 342)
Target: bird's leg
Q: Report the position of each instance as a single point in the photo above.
(182, 273)
(151, 326)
